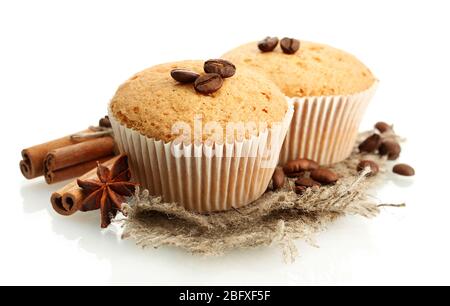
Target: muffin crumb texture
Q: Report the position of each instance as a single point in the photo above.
(151, 101)
(315, 70)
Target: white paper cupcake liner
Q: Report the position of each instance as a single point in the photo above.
(324, 129)
(203, 177)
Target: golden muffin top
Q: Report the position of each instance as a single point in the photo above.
(314, 70)
(151, 101)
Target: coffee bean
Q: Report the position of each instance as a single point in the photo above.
(306, 182)
(300, 165)
(371, 164)
(105, 122)
(324, 176)
(220, 66)
(383, 127)
(404, 169)
(268, 44)
(278, 178)
(184, 76)
(208, 83)
(300, 189)
(371, 144)
(289, 45)
(390, 148)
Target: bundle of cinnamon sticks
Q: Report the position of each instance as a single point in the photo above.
(70, 156)
(75, 156)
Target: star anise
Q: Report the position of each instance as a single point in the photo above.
(108, 192)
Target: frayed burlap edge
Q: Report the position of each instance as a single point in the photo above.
(276, 218)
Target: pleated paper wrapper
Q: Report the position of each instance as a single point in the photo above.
(324, 129)
(196, 178)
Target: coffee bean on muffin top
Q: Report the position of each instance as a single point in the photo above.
(184, 76)
(268, 44)
(289, 45)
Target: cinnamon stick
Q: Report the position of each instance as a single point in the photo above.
(32, 164)
(68, 207)
(52, 177)
(68, 199)
(78, 153)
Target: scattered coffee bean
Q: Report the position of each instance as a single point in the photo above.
(184, 75)
(300, 165)
(371, 164)
(404, 169)
(289, 45)
(220, 66)
(208, 83)
(324, 176)
(268, 44)
(306, 182)
(371, 144)
(390, 148)
(383, 127)
(300, 189)
(105, 122)
(278, 178)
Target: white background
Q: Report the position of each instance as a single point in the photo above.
(61, 61)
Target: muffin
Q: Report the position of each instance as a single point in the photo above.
(181, 142)
(330, 90)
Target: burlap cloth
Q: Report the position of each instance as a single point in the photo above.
(276, 218)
